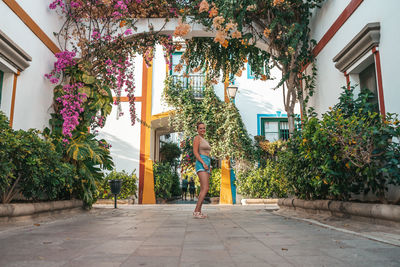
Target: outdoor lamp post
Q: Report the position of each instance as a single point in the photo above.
(232, 90)
(115, 186)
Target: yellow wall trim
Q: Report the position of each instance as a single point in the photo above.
(25, 18)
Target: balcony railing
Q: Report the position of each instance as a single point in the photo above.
(194, 82)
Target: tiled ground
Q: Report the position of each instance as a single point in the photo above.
(167, 235)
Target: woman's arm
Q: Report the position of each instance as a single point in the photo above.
(196, 144)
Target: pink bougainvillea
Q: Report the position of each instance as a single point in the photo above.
(64, 59)
(71, 107)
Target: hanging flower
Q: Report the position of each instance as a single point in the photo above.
(225, 43)
(267, 32)
(182, 29)
(72, 106)
(217, 21)
(278, 2)
(230, 26)
(237, 34)
(251, 7)
(213, 12)
(178, 68)
(220, 37)
(204, 6)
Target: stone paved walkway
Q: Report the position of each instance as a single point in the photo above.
(167, 235)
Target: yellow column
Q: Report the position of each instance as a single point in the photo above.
(226, 192)
(148, 183)
(225, 196)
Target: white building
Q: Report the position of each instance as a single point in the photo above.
(357, 43)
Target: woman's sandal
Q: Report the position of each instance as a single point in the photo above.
(199, 215)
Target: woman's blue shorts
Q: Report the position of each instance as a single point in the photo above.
(199, 166)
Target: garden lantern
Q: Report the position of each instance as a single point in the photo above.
(232, 90)
(115, 186)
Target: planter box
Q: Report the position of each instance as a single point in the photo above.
(8, 211)
(161, 201)
(119, 201)
(214, 200)
(252, 201)
(375, 212)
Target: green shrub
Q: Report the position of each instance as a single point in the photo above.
(169, 152)
(166, 181)
(128, 189)
(214, 183)
(264, 182)
(31, 166)
(266, 150)
(350, 150)
(89, 156)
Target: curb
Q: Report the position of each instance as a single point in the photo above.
(24, 209)
(119, 202)
(385, 212)
(258, 201)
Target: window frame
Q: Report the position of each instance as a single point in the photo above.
(1, 85)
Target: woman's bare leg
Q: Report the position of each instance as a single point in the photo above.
(203, 177)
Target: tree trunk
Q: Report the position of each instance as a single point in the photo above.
(290, 101)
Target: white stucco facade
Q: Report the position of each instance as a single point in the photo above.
(34, 93)
(329, 78)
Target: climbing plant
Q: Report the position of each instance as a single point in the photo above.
(266, 34)
(225, 129)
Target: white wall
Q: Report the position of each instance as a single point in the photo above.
(258, 97)
(329, 79)
(159, 75)
(34, 92)
(124, 138)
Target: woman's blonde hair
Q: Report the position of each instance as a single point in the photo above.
(199, 124)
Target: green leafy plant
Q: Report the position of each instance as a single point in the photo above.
(214, 183)
(226, 132)
(263, 182)
(31, 166)
(166, 181)
(349, 151)
(128, 189)
(89, 157)
(170, 152)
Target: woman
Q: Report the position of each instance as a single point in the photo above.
(201, 150)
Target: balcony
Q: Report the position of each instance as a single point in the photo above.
(194, 82)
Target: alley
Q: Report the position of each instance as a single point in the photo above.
(167, 235)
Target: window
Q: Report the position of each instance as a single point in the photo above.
(175, 58)
(250, 74)
(196, 80)
(275, 128)
(357, 60)
(368, 81)
(1, 85)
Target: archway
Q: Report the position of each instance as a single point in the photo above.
(114, 31)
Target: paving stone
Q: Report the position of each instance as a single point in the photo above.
(167, 235)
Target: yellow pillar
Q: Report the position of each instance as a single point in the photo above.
(225, 196)
(148, 183)
(226, 192)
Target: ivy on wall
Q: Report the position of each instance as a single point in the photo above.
(226, 132)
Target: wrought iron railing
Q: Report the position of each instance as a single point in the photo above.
(195, 83)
